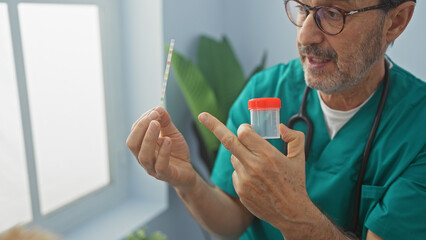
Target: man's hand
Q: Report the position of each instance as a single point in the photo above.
(269, 184)
(161, 149)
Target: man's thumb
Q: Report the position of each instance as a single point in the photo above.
(295, 141)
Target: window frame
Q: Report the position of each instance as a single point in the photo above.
(70, 216)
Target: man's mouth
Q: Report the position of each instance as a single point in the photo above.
(316, 62)
(317, 58)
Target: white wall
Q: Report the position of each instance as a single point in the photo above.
(142, 64)
(258, 26)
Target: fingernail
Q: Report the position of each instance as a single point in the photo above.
(203, 117)
(153, 115)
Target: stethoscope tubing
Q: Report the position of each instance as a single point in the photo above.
(367, 149)
(301, 115)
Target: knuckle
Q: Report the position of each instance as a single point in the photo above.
(151, 173)
(212, 126)
(234, 161)
(142, 123)
(228, 141)
(144, 160)
(300, 136)
(242, 132)
(160, 176)
(149, 169)
(160, 170)
(242, 193)
(131, 144)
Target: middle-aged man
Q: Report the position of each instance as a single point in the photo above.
(362, 107)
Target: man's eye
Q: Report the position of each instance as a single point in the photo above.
(300, 9)
(332, 14)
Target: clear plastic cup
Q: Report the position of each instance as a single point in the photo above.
(265, 116)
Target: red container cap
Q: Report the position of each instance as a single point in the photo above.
(264, 103)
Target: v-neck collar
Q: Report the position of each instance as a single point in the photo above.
(349, 141)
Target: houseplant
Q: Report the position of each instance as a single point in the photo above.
(210, 85)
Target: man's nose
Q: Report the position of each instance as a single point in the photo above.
(309, 33)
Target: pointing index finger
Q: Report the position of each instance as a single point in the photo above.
(225, 136)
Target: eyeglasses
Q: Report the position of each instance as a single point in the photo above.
(331, 20)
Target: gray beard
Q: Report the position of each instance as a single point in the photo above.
(359, 64)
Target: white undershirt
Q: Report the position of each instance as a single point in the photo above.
(335, 119)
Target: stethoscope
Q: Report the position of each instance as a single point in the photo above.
(302, 116)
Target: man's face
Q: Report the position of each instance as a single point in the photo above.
(336, 63)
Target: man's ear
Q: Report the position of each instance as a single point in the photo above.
(398, 19)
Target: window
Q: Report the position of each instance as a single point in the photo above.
(66, 100)
(14, 189)
(61, 144)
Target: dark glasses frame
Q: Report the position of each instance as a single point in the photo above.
(344, 13)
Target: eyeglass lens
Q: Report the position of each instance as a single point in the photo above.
(328, 19)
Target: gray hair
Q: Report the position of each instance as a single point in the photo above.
(395, 3)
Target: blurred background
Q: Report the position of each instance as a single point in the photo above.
(75, 75)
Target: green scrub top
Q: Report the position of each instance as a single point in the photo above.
(393, 203)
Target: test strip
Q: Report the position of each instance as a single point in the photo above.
(166, 72)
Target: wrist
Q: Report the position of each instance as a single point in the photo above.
(303, 218)
(304, 223)
(313, 224)
(184, 191)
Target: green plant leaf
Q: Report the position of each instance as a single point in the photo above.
(158, 236)
(141, 234)
(199, 97)
(221, 69)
